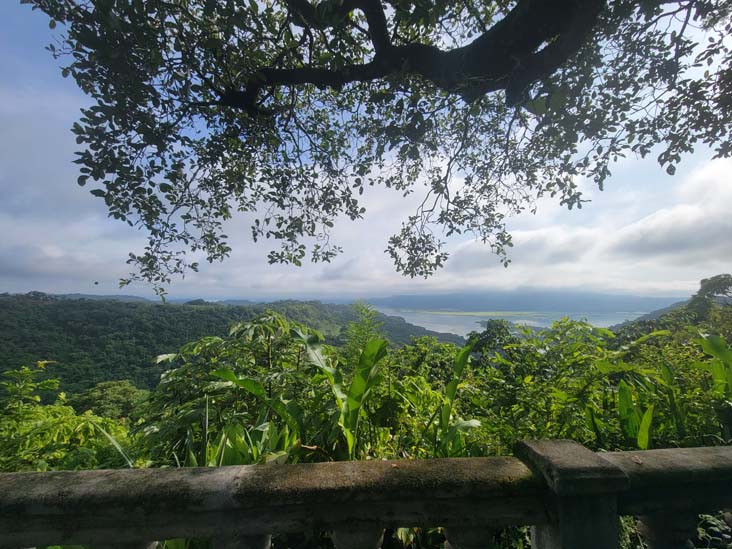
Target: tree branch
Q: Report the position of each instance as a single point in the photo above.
(529, 43)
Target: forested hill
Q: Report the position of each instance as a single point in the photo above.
(99, 340)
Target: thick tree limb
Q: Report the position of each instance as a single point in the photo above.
(532, 41)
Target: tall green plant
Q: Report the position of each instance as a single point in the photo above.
(448, 430)
(635, 422)
(351, 397)
(720, 367)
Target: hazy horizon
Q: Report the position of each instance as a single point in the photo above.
(518, 292)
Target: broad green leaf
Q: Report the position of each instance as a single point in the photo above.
(465, 424)
(644, 431)
(629, 419)
(461, 361)
(657, 333)
(720, 377)
(717, 347)
(667, 374)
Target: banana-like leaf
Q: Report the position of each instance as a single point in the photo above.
(644, 431)
(458, 368)
(629, 417)
(657, 333)
(717, 347)
(365, 377)
(721, 377)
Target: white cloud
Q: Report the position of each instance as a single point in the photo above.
(667, 250)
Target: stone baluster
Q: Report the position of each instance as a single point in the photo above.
(582, 509)
(668, 530)
(469, 538)
(358, 537)
(242, 542)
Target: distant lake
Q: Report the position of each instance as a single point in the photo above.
(463, 322)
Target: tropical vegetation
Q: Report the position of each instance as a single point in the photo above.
(273, 390)
(90, 341)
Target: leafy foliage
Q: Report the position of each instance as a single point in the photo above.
(45, 437)
(273, 391)
(93, 341)
(293, 110)
(112, 399)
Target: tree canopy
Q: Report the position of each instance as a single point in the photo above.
(290, 110)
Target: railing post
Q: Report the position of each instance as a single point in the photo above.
(469, 538)
(582, 508)
(242, 542)
(358, 537)
(670, 530)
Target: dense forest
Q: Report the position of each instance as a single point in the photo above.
(275, 390)
(88, 341)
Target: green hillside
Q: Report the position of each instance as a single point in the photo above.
(100, 340)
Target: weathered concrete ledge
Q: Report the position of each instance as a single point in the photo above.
(68, 506)
(675, 480)
(466, 494)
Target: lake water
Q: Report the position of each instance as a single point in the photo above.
(463, 322)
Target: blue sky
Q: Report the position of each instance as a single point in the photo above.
(647, 233)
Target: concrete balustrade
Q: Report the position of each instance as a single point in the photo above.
(571, 497)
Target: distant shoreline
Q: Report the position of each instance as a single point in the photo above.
(463, 322)
(507, 313)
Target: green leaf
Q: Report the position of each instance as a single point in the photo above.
(657, 333)
(645, 429)
(667, 375)
(466, 424)
(557, 100)
(717, 347)
(629, 420)
(537, 106)
(364, 378)
(257, 389)
(719, 377)
(608, 367)
(461, 361)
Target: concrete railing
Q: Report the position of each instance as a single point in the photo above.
(571, 497)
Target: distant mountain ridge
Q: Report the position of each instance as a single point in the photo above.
(658, 313)
(510, 300)
(95, 297)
